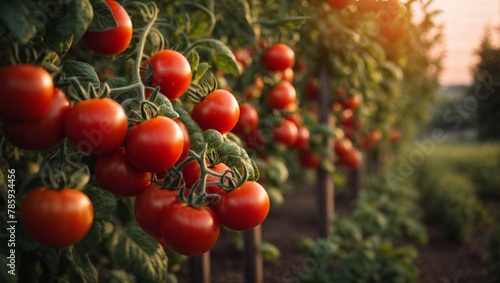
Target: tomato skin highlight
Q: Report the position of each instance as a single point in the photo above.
(278, 57)
(244, 207)
(149, 207)
(27, 93)
(56, 217)
(96, 125)
(219, 110)
(113, 41)
(282, 95)
(189, 230)
(171, 72)
(44, 133)
(114, 173)
(155, 144)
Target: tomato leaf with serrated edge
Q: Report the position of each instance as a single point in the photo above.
(223, 56)
(92, 238)
(103, 17)
(139, 253)
(84, 72)
(84, 270)
(103, 201)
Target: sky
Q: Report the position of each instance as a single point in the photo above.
(464, 24)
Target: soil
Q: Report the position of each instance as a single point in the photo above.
(440, 261)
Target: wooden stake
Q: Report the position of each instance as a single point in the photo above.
(199, 268)
(325, 187)
(253, 257)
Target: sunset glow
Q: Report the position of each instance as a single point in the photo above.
(464, 24)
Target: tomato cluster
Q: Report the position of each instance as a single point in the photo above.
(191, 230)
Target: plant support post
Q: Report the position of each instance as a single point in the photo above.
(199, 268)
(253, 256)
(325, 189)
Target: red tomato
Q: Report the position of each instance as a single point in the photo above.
(96, 125)
(189, 230)
(219, 110)
(286, 75)
(312, 88)
(343, 147)
(243, 56)
(244, 207)
(191, 173)
(369, 5)
(396, 136)
(353, 159)
(372, 138)
(348, 120)
(309, 159)
(56, 217)
(113, 41)
(285, 133)
(352, 102)
(171, 72)
(292, 114)
(339, 4)
(149, 206)
(248, 120)
(27, 93)
(282, 95)
(114, 173)
(302, 137)
(187, 139)
(278, 57)
(44, 133)
(155, 144)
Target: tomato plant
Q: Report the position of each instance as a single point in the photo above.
(171, 72)
(243, 208)
(27, 92)
(44, 133)
(56, 218)
(149, 207)
(115, 40)
(155, 144)
(114, 173)
(219, 110)
(309, 159)
(278, 57)
(189, 230)
(96, 125)
(302, 140)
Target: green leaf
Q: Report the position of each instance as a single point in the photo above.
(84, 270)
(15, 16)
(223, 56)
(200, 71)
(50, 257)
(165, 107)
(84, 72)
(69, 24)
(288, 22)
(120, 276)
(92, 238)
(104, 202)
(103, 17)
(141, 254)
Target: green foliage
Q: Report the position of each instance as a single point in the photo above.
(485, 92)
(450, 181)
(349, 257)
